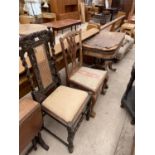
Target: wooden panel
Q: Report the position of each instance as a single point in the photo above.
(60, 7)
(72, 15)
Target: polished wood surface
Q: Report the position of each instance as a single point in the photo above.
(25, 29)
(104, 46)
(61, 24)
(65, 9)
(105, 41)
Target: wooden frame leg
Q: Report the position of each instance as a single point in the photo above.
(34, 143)
(88, 111)
(104, 86)
(70, 139)
(41, 142)
(110, 66)
(92, 112)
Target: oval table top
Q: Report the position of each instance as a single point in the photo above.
(25, 29)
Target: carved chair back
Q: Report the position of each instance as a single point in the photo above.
(37, 56)
(71, 45)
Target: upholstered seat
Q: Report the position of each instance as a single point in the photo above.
(65, 102)
(89, 78)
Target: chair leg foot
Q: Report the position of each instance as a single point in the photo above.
(122, 106)
(111, 67)
(133, 121)
(34, 143)
(92, 114)
(41, 142)
(70, 139)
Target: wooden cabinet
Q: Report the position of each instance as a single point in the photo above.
(123, 5)
(65, 9)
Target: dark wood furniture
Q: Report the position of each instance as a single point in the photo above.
(123, 5)
(63, 24)
(24, 85)
(104, 46)
(30, 124)
(113, 25)
(68, 106)
(77, 75)
(65, 9)
(128, 99)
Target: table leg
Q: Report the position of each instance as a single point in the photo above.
(111, 18)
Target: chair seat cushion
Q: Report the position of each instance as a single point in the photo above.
(89, 78)
(65, 102)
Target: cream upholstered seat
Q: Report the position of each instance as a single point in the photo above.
(89, 78)
(65, 102)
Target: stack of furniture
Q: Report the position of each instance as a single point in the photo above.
(65, 9)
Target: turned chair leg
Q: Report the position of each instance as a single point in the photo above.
(92, 112)
(104, 86)
(70, 139)
(34, 143)
(41, 142)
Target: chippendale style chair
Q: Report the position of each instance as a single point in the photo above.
(68, 106)
(77, 75)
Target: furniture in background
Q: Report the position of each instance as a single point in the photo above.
(30, 124)
(76, 74)
(129, 29)
(123, 5)
(68, 106)
(25, 29)
(113, 25)
(104, 46)
(63, 24)
(125, 47)
(65, 9)
(128, 99)
(44, 17)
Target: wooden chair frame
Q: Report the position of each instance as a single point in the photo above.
(39, 93)
(71, 45)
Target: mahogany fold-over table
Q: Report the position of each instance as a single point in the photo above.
(63, 24)
(104, 46)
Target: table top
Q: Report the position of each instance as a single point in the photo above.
(25, 29)
(105, 41)
(62, 23)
